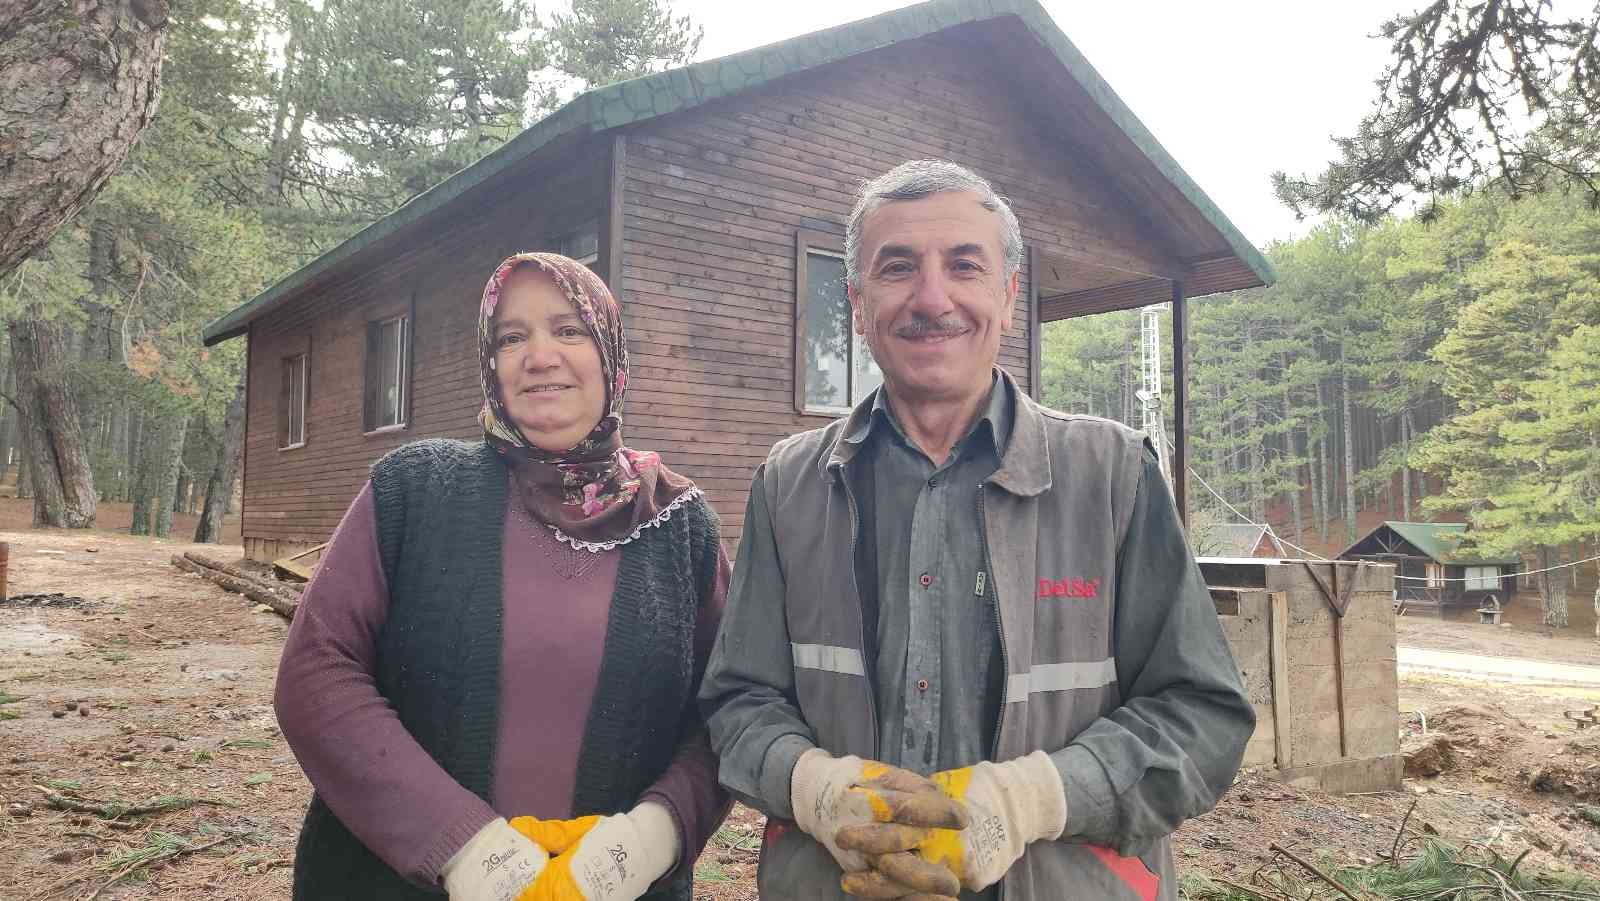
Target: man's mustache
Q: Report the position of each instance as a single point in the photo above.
(923, 327)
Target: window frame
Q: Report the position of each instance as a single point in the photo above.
(1479, 582)
(567, 242)
(370, 401)
(806, 243)
(286, 414)
(1434, 573)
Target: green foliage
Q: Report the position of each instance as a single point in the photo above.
(1504, 93)
(413, 91)
(1467, 347)
(1520, 366)
(602, 41)
(284, 126)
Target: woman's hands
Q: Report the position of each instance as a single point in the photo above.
(496, 864)
(614, 858)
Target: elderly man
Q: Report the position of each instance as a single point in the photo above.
(957, 582)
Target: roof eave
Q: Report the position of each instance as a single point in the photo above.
(650, 96)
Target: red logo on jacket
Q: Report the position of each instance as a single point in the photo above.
(1069, 588)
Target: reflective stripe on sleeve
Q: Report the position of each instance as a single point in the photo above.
(828, 659)
(1060, 677)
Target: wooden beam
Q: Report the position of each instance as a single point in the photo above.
(1035, 339)
(1130, 295)
(244, 445)
(1278, 631)
(1180, 401)
(611, 226)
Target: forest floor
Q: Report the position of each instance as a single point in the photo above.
(147, 686)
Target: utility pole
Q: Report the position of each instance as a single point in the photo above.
(1150, 394)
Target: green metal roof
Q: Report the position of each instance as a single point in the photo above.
(641, 99)
(1441, 540)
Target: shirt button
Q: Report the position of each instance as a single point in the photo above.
(933, 482)
(922, 685)
(925, 580)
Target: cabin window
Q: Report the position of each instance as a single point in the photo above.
(1435, 575)
(582, 245)
(834, 368)
(1483, 578)
(388, 373)
(292, 401)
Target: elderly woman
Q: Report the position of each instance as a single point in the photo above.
(506, 635)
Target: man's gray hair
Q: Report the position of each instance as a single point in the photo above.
(915, 180)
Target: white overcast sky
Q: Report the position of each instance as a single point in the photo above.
(1234, 89)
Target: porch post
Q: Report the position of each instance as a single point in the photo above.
(1180, 401)
(1035, 335)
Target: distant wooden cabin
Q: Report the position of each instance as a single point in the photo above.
(1431, 566)
(713, 200)
(1250, 540)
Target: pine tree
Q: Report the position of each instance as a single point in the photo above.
(411, 92)
(602, 41)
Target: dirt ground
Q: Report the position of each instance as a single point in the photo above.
(1536, 643)
(160, 684)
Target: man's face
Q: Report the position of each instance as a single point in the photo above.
(933, 298)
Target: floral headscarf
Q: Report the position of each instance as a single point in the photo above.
(599, 494)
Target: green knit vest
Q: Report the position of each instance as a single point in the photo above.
(441, 511)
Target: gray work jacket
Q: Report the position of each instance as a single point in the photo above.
(1136, 698)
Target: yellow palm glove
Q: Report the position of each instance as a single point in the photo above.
(614, 858)
(496, 864)
(1010, 804)
(832, 793)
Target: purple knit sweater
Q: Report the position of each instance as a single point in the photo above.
(375, 777)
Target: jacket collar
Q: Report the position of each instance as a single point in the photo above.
(1024, 463)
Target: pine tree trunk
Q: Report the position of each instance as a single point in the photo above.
(219, 488)
(1407, 432)
(1349, 451)
(8, 422)
(1325, 465)
(135, 443)
(139, 481)
(1597, 595)
(164, 483)
(24, 468)
(63, 482)
(1552, 593)
(80, 82)
(180, 499)
(1293, 446)
(117, 452)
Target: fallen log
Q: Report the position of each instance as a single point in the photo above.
(287, 589)
(248, 588)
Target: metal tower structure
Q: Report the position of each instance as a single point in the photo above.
(1150, 394)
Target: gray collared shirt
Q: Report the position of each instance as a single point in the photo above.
(938, 674)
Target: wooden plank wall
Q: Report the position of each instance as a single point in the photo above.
(296, 497)
(713, 199)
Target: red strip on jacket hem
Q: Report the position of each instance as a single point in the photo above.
(1131, 870)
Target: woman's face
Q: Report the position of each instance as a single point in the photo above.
(548, 367)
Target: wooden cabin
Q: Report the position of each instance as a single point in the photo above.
(1250, 540)
(1431, 567)
(713, 198)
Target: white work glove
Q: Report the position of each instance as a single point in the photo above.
(1010, 804)
(496, 864)
(614, 858)
(886, 808)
